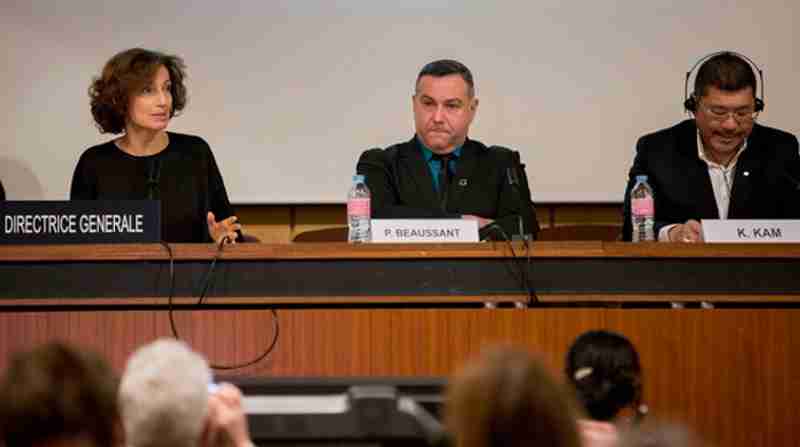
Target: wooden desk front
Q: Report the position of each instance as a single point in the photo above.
(729, 373)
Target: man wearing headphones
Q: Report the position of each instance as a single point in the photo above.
(440, 172)
(721, 164)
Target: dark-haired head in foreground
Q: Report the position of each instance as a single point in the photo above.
(604, 368)
(508, 399)
(58, 395)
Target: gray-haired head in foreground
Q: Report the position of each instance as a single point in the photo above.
(164, 395)
(447, 67)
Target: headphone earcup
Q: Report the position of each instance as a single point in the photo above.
(691, 105)
(759, 105)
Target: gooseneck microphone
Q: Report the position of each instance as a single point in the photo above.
(512, 175)
(153, 178)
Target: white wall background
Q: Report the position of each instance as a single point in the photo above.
(288, 93)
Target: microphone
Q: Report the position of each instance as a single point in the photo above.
(153, 178)
(512, 175)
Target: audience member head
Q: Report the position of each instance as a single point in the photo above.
(604, 368)
(444, 105)
(164, 395)
(507, 399)
(57, 395)
(660, 435)
(165, 401)
(127, 76)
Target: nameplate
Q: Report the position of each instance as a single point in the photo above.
(751, 231)
(424, 230)
(80, 221)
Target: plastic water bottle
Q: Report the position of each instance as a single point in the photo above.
(642, 210)
(358, 212)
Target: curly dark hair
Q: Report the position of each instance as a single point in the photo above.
(127, 73)
(604, 368)
(57, 392)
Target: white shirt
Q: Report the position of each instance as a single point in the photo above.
(721, 182)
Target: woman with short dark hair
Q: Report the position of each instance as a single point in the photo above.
(136, 95)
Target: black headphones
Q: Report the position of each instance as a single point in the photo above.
(689, 100)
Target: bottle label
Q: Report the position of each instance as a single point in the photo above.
(642, 207)
(358, 207)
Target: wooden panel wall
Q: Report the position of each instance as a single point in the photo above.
(730, 374)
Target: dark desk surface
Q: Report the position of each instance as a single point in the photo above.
(728, 373)
(435, 274)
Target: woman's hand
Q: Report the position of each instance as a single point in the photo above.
(226, 228)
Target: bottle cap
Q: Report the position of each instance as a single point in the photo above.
(358, 178)
(641, 178)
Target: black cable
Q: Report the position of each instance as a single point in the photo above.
(208, 281)
(521, 270)
(532, 296)
(170, 306)
(514, 174)
(210, 273)
(263, 355)
(526, 268)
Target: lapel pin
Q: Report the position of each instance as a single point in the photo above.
(746, 173)
(462, 182)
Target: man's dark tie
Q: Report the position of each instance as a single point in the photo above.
(444, 179)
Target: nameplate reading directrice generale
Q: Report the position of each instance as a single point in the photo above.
(80, 221)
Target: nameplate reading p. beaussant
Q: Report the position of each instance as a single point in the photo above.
(424, 230)
(751, 231)
(80, 221)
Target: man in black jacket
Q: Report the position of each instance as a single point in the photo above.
(721, 164)
(440, 172)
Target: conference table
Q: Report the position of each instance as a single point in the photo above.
(715, 325)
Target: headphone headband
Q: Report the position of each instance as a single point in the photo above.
(689, 100)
